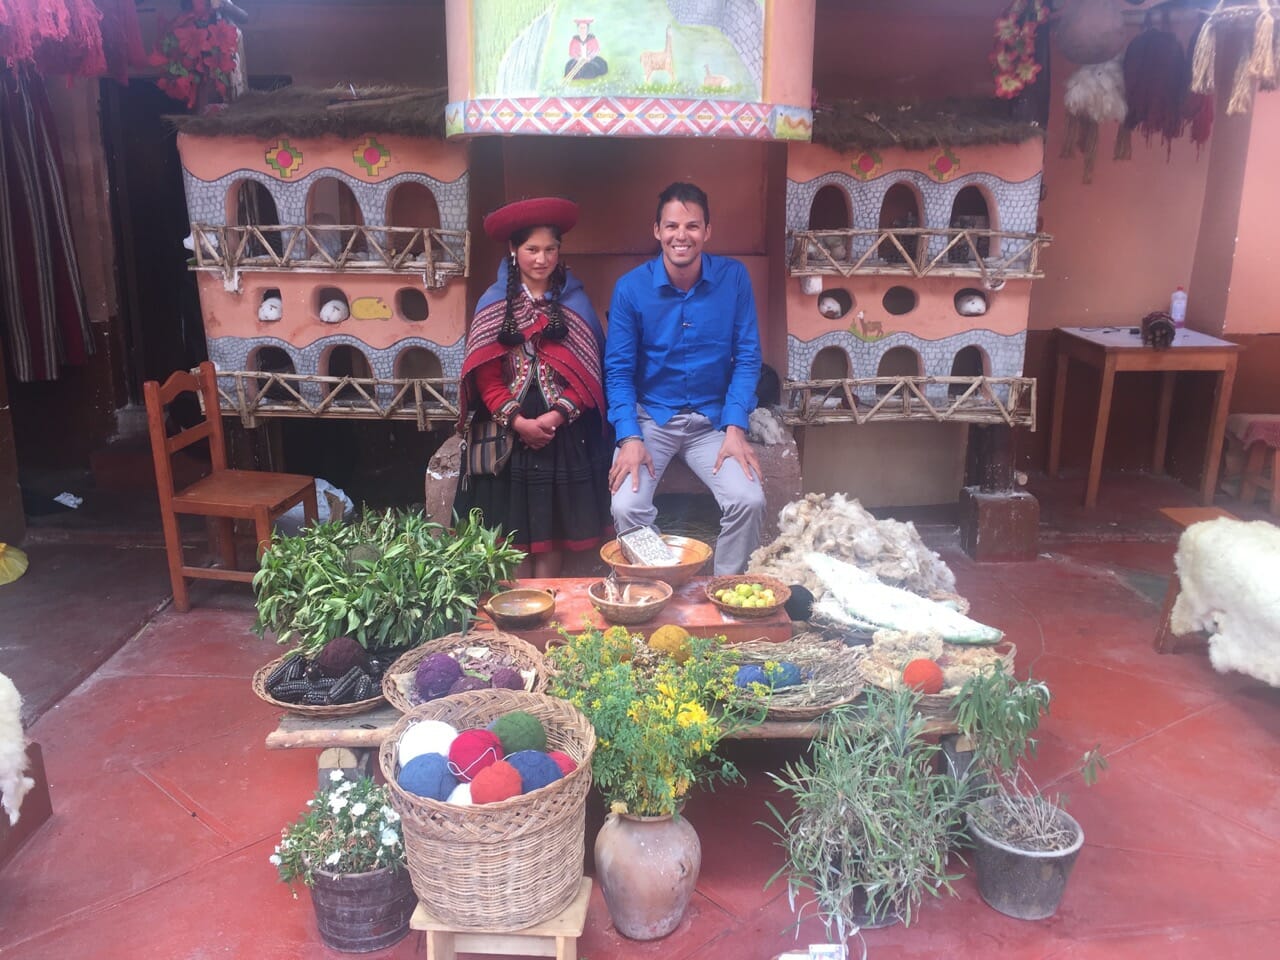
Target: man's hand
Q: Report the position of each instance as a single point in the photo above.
(632, 455)
(536, 434)
(737, 447)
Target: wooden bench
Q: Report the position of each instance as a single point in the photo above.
(1184, 517)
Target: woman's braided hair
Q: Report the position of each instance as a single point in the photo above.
(556, 329)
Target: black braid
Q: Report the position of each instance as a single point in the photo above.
(510, 335)
(556, 329)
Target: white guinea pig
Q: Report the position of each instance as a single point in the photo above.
(829, 306)
(971, 304)
(270, 309)
(334, 311)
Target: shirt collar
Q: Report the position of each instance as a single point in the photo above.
(711, 270)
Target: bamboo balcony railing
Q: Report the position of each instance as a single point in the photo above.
(438, 255)
(249, 394)
(1007, 400)
(991, 256)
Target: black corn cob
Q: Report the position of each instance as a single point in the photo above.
(316, 698)
(345, 686)
(291, 691)
(365, 688)
(283, 671)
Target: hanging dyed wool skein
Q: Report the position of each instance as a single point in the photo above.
(1198, 107)
(1259, 62)
(1155, 79)
(1094, 95)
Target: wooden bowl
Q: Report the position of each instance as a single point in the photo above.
(693, 556)
(521, 608)
(781, 594)
(646, 600)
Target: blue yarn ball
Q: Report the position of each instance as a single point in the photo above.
(750, 673)
(428, 776)
(785, 674)
(536, 769)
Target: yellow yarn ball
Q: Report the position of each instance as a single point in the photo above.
(672, 640)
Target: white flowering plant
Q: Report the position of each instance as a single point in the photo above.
(349, 827)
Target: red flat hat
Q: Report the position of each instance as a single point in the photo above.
(538, 212)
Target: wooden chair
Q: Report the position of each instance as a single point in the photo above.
(223, 496)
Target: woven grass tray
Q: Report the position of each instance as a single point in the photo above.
(497, 866)
(939, 706)
(306, 710)
(781, 594)
(397, 682)
(829, 668)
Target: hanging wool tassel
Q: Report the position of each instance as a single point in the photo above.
(1094, 95)
(1202, 58)
(1155, 76)
(1069, 141)
(1241, 89)
(1198, 107)
(1262, 62)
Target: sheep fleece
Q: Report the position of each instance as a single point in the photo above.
(13, 751)
(1227, 572)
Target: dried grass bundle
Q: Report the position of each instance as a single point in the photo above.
(307, 112)
(877, 124)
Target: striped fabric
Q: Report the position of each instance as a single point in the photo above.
(42, 307)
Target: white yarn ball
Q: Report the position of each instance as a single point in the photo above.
(334, 311)
(272, 308)
(425, 736)
(461, 795)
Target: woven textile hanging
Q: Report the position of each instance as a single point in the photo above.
(42, 309)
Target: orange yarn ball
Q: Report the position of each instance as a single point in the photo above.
(923, 675)
(498, 781)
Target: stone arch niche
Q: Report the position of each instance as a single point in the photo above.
(832, 363)
(271, 359)
(832, 209)
(969, 361)
(973, 208)
(345, 360)
(418, 363)
(251, 203)
(900, 208)
(410, 204)
(331, 203)
(898, 362)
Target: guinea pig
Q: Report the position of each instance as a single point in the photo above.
(334, 311)
(970, 304)
(829, 307)
(270, 309)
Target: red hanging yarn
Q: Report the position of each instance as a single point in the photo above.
(1155, 83)
(78, 38)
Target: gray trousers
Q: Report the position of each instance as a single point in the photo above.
(692, 437)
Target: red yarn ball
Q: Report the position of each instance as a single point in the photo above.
(472, 751)
(498, 781)
(563, 761)
(923, 675)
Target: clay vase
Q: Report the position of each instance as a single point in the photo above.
(647, 868)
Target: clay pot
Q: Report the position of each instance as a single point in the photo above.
(647, 868)
(1090, 31)
(363, 912)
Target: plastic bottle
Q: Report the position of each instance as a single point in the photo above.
(1178, 308)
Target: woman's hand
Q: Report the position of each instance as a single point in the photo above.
(536, 434)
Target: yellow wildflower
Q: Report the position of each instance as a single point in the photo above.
(691, 713)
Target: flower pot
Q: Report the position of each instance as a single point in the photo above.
(1026, 884)
(647, 868)
(885, 916)
(362, 912)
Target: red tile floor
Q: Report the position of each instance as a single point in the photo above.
(167, 805)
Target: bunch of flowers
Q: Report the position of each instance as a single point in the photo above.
(659, 718)
(195, 48)
(1013, 61)
(349, 827)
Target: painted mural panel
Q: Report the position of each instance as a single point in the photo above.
(709, 49)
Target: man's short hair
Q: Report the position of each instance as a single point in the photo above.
(685, 193)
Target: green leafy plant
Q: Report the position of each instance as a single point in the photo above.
(349, 827)
(873, 819)
(997, 714)
(389, 580)
(658, 720)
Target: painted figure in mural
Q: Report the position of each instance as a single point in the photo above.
(533, 364)
(682, 360)
(585, 61)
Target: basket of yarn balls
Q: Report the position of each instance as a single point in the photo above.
(459, 662)
(491, 787)
(342, 680)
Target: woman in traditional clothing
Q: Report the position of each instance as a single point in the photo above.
(533, 364)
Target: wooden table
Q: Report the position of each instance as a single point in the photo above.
(1120, 350)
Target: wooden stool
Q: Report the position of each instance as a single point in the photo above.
(1258, 436)
(1183, 517)
(556, 937)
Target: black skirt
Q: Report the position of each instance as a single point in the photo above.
(556, 498)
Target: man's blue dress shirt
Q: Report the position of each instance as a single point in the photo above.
(671, 350)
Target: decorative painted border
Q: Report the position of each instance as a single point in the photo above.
(622, 116)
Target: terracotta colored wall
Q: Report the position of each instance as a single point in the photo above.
(788, 52)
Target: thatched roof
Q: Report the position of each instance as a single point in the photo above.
(875, 125)
(302, 112)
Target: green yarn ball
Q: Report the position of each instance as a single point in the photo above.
(518, 731)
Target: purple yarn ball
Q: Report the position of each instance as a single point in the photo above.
(435, 675)
(506, 678)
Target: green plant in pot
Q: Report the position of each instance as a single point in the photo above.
(873, 818)
(1024, 843)
(348, 850)
(389, 580)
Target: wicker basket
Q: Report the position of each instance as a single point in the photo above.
(402, 696)
(940, 706)
(306, 710)
(830, 669)
(781, 594)
(497, 866)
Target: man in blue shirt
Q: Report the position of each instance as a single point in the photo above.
(681, 362)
